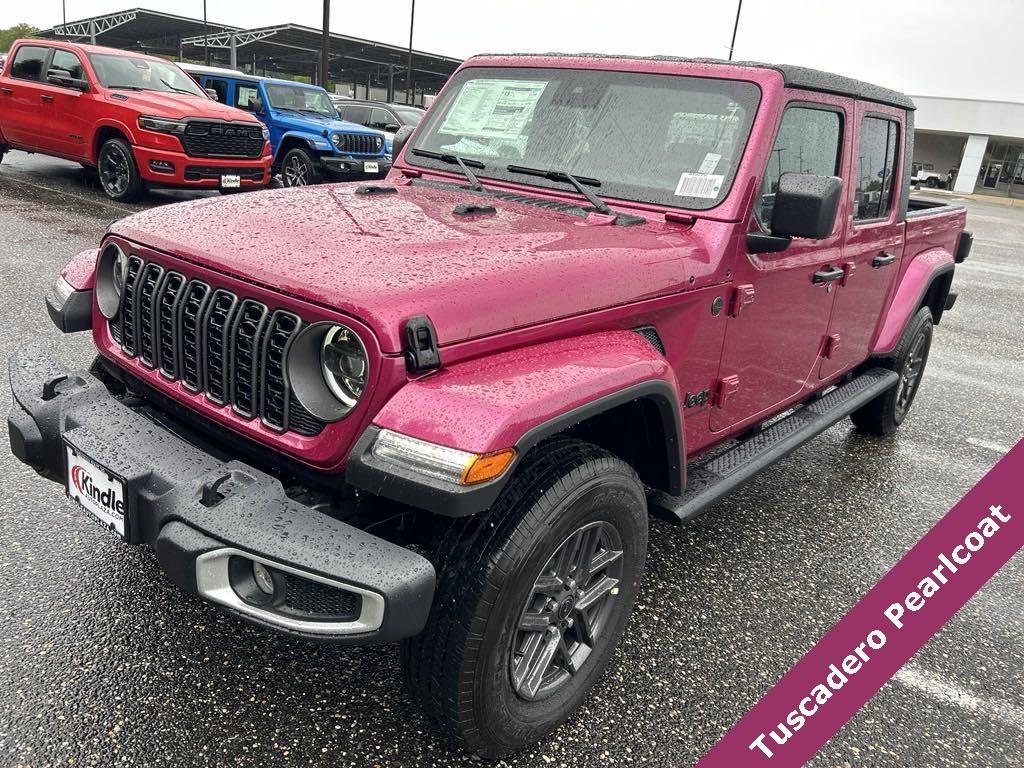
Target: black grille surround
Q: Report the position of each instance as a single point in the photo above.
(215, 139)
(231, 349)
(358, 143)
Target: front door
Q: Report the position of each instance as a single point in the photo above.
(773, 342)
(874, 239)
(70, 108)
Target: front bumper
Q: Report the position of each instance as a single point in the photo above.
(353, 167)
(159, 167)
(203, 513)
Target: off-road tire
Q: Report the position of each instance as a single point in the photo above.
(932, 182)
(299, 168)
(887, 411)
(118, 172)
(460, 667)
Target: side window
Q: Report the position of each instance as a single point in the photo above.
(29, 62)
(69, 62)
(246, 96)
(221, 87)
(876, 168)
(808, 142)
(381, 118)
(358, 115)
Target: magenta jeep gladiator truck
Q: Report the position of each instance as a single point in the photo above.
(440, 409)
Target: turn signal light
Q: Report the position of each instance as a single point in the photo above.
(487, 467)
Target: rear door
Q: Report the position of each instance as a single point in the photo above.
(21, 94)
(874, 237)
(780, 315)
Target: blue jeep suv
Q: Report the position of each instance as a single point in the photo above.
(309, 139)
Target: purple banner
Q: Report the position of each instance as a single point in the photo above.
(885, 628)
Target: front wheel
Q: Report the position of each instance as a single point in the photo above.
(118, 172)
(533, 597)
(887, 411)
(299, 169)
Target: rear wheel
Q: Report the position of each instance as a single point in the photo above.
(533, 597)
(298, 169)
(932, 182)
(887, 411)
(118, 172)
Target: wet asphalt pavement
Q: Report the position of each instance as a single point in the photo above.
(103, 662)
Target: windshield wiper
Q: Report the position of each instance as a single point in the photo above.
(127, 88)
(178, 90)
(464, 165)
(576, 181)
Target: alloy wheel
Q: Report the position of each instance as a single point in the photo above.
(295, 172)
(910, 376)
(115, 171)
(567, 611)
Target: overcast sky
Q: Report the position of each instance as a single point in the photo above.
(961, 48)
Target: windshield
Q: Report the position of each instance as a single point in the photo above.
(130, 72)
(654, 138)
(408, 116)
(299, 99)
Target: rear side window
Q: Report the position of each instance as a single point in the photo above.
(358, 115)
(29, 62)
(876, 168)
(68, 62)
(381, 119)
(808, 142)
(220, 87)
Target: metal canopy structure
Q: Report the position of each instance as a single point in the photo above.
(363, 67)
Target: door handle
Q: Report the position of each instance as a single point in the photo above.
(882, 260)
(46, 98)
(828, 274)
(7, 91)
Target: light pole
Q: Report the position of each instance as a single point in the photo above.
(408, 69)
(736, 26)
(325, 45)
(206, 38)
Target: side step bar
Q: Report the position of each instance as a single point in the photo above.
(709, 481)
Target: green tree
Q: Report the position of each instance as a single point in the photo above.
(9, 35)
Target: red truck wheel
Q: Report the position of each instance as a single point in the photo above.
(532, 599)
(886, 412)
(118, 171)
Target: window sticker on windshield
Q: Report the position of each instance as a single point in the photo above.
(699, 185)
(710, 163)
(493, 108)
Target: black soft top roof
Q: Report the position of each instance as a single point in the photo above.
(793, 76)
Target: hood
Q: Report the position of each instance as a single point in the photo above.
(177, 106)
(304, 121)
(386, 258)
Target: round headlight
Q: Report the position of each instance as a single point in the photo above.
(111, 271)
(336, 140)
(343, 361)
(328, 370)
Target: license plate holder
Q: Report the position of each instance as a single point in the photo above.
(230, 181)
(371, 167)
(97, 491)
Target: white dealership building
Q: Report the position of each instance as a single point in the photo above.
(980, 140)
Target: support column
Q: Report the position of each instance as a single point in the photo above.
(234, 50)
(970, 163)
(92, 32)
(391, 82)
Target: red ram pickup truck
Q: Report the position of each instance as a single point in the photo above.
(441, 409)
(138, 120)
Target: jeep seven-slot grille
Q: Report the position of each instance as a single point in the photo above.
(212, 341)
(360, 144)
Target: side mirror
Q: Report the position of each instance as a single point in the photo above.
(212, 94)
(63, 78)
(806, 205)
(256, 105)
(392, 128)
(398, 143)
